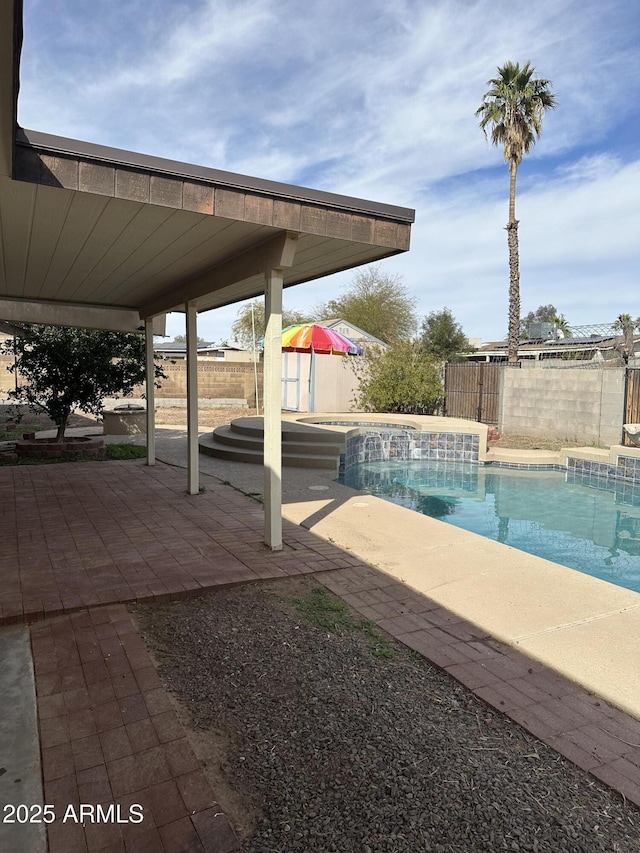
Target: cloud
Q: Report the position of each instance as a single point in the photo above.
(590, 168)
(377, 99)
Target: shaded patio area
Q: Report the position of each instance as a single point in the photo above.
(86, 534)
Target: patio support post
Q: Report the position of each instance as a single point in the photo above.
(150, 391)
(193, 474)
(272, 403)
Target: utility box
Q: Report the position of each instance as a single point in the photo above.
(542, 331)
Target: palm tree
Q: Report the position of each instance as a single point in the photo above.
(562, 325)
(514, 109)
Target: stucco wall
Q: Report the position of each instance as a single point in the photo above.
(336, 383)
(331, 389)
(583, 405)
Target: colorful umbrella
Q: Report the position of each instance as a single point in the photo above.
(311, 337)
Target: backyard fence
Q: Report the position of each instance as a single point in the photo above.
(472, 391)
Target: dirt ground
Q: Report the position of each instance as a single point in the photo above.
(528, 442)
(24, 420)
(206, 417)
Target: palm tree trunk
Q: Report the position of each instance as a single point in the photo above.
(514, 269)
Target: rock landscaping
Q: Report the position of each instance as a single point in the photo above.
(321, 733)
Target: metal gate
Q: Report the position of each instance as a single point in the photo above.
(631, 400)
(472, 391)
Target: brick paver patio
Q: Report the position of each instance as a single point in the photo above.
(81, 540)
(84, 534)
(109, 735)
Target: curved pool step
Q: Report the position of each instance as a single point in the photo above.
(302, 446)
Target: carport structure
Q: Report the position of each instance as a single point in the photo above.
(103, 238)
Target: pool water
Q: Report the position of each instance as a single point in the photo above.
(580, 521)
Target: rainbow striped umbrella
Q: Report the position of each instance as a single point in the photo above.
(311, 337)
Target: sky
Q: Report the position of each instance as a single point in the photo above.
(376, 99)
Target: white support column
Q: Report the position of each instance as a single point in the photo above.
(193, 473)
(150, 391)
(272, 403)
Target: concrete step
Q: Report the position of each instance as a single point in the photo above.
(210, 447)
(227, 435)
(291, 431)
(511, 456)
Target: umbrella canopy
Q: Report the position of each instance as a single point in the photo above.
(311, 337)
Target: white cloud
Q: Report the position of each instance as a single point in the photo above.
(376, 99)
(591, 167)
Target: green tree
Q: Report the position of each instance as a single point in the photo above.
(377, 302)
(542, 314)
(251, 315)
(545, 314)
(182, 339)
(67, 369)
(562, 325)
(399, 379)
(513, 108)
(442, 337)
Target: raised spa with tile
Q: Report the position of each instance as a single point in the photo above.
(579, 507)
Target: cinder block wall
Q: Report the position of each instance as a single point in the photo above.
(216, 381)
(576, 404)
(7, 380)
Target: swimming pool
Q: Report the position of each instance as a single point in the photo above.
(575, 519)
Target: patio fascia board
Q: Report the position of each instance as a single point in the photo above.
(10, 52)
(77, 315)
(50, 148)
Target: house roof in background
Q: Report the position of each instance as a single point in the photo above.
(360, 336)
(180, 346)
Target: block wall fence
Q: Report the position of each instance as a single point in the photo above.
(576, 404)
(215, 380)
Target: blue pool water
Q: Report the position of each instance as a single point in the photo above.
(577, 520)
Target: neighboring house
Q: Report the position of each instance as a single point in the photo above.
(354, 333)
(232, 353)
(594, 347)
(178, 349)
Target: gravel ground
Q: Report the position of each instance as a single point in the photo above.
(320, 734)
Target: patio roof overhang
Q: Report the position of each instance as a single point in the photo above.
(95, 227)
(104, 238)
